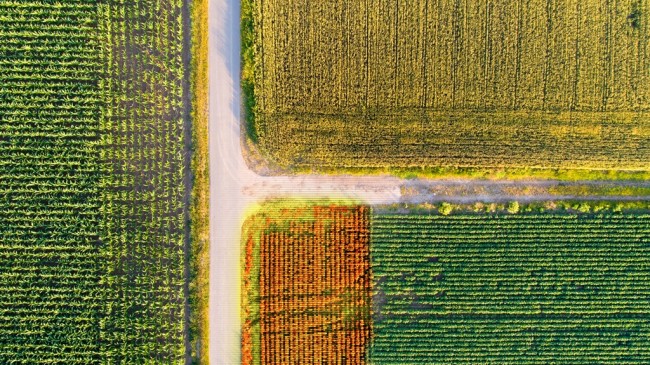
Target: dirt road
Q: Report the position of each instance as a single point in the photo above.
(233, 187)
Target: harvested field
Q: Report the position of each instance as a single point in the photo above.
(509, 84)
(307, 286)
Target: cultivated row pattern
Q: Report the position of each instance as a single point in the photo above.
(550, 84)
(524, 289)
(144, 137)
(92, 182)
(51, 258)
(313, 287)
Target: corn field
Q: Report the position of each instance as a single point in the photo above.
(51, 255)
(376, 83)
(93, 177)
(144, 139)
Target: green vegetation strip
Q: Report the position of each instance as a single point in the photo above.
(144, 134)
(512, 288)
(199, 211)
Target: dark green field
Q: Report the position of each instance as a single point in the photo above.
(518, 289)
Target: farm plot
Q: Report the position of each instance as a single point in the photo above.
(306, 288)
(504, 288)
(481, 84)
(51, 256)
(92, 182)
(144, 150)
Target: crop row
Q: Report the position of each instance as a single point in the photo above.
(92, 182)
(51, 266)
(143, 139)
(311, 300)
(524, 289)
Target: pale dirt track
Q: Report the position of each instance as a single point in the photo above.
(234, 187)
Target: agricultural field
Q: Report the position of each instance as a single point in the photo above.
(51, 255)
(536, 283)
(561, 84)
(144, 131)
(511, 288)
(306, 288)
(94, 182)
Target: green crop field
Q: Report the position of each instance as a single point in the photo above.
(511, 288)
(559, 84)
(93, 182)
(144, 146)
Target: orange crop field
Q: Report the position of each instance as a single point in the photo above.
(307, 286)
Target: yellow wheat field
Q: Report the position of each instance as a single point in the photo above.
(528, 83)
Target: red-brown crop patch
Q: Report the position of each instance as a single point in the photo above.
(312, 286)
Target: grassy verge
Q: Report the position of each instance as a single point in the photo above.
(514, 207)
(486, 173)
(199, 211)
(248, 68)
(605, 190)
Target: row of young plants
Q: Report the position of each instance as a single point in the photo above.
(143, 149)
(51, 257)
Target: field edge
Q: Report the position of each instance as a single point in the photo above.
(199, 205)
(514, 207)
(248, 68)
